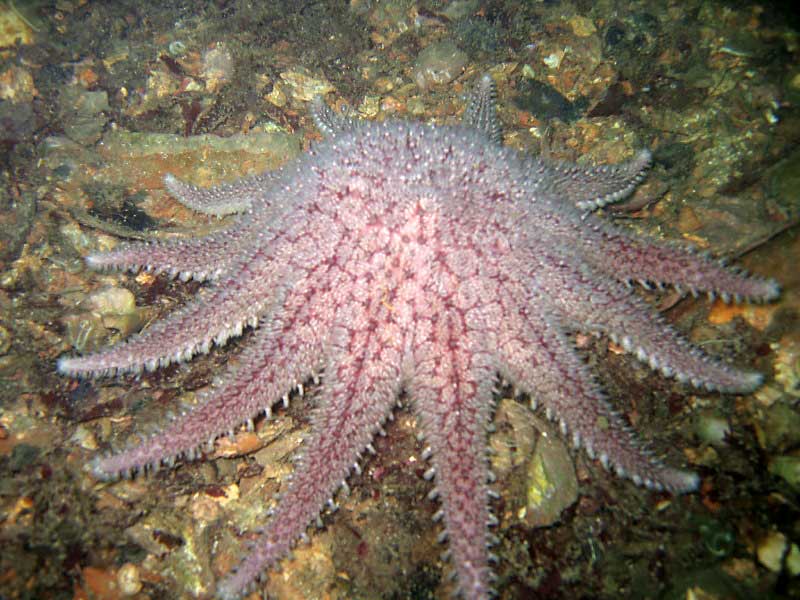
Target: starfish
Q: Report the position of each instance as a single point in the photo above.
(406, 259)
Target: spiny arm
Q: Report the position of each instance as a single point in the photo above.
(581, 297)
(360, 385)
(590, 188)
(201, 259)
(225, 199)
(553, 375)
(220, 313)
(626, 257)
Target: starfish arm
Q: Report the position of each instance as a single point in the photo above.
(224, 199)
(452, 392)
(627, 258)
(481, 111)
(360, 385)
(329, 122)
(284, 353)
(201, 259)
(582, 298)
(217, 315)
(539, 358)
(590, 188)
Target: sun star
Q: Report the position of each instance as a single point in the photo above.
(425, 260)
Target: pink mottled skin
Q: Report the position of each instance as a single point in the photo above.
(401, 257)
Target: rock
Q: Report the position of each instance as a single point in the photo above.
(82, 114)
(217, 68)
(771, 549)
(305, 86)
(551, 482)
(16, 85)
(5, 340)
(111, 301)
(779, 429)
(582, 26)
(140, 159)
(13, 28)
(788, 468)
(711, 428)
(544, 102)
(438, 64)
(530, 452)
(129, 579)
(84, 437)
(116, 308)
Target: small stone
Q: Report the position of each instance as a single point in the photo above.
(112, 301)
(99, 583)
(217, 67)
(779, 428)
(13, 28)
(243, 443)
(177, 48)
(712, 429)
(84, 437)
(553, 60)
(277, 97)
(305, 86)
(582, 26)
(552, 485)
(438, 64)
(83, 114)
(16, 85)
(688, 221)
(204, 509)
(788, 468)
(129, 579)
(5, 340)
(370, 106)
(793, 560)
(771, 550)
(460, 9)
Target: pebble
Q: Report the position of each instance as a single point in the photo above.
(129, 579)
(5, 340)
(788, 468)
(552, 485)
(771, 551)
(116, 308)
(787, 365)
(305, 86)
(438, 64)
(84, 437)
(83, 114)
(712, 429)
(16, 85)
(217, 67)
(13, 28)
(177, 48)
(112, 301)
(533, 448)
(582, 26)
